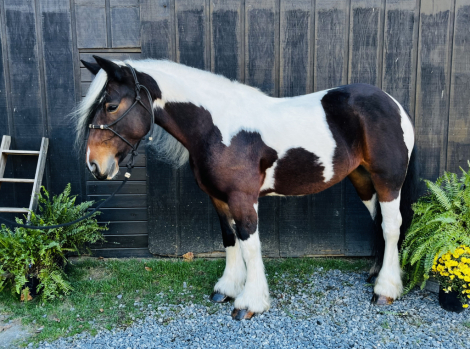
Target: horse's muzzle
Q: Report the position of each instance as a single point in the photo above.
(100, 174)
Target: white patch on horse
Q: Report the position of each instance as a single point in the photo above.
(255, 295)
(371, 205)
(407, 127)
(233, 280)
(389, 282)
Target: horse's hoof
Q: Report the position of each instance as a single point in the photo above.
(240, 314)
(381, 300)
(217, 297)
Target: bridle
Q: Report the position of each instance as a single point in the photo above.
(129, 165)
(133, 151)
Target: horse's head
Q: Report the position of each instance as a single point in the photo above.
(116, 97)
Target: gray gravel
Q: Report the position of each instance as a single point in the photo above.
(328, 310)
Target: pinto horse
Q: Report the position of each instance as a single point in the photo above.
(242, 145)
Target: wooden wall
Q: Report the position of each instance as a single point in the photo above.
(416, 50)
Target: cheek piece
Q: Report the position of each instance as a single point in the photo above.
(133, 151)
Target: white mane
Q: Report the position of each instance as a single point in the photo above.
(178, 83)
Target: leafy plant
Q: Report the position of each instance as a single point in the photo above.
(27, 253)
(441, 223)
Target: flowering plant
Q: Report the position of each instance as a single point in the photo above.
(452, 270)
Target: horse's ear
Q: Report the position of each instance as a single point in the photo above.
(92, 67)
(113, 70)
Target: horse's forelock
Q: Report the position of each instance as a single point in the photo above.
(82, 114)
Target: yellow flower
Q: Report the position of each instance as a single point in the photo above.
(467, 278)
(465, 305)
(452, 277)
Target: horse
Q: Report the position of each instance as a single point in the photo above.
(242, 145)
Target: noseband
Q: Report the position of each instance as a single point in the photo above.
(134, 153)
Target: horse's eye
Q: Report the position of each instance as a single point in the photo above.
(111, 108)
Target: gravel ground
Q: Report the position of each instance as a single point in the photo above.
(329, 310)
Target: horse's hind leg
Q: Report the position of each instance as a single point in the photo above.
(388, 285)
(362, 182)
(233, 280)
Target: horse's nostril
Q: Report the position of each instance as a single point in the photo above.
(93, 167)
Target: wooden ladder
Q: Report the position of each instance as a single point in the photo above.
(42, 153)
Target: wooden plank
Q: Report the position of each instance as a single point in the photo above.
(296, 78)
(25, 90)
(366, 41)
(432, 101)
(365, 65)
(122, 214)
(7, 197)
(16, 180)
(14, 210)
(123, 241)
(400, 51)
(331, 68)
(261, 45)
(21, 152)
(125, 228)
(138, 174)
(458, 148)
(296, 47)
(122, 253)
(331, 43)
(192, 46)
(261, 67)
(121, 200)
(227, 38)
(104, 188)
(227, 59)
(191, 21)
(159, 17)
(91, 23)
(125, 24)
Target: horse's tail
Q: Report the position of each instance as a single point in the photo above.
(409, 195)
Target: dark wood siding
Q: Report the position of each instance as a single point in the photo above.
(416, 50)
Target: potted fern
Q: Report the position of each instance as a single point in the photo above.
(31, 261)
(440, 225)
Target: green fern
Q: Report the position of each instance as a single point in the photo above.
(26, 252)
(441, 223)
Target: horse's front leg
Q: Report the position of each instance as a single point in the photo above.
(232, 281)
(255, 295)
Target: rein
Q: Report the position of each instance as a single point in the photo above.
(129, 165)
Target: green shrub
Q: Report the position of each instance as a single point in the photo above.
(441, 223)
(40, 253)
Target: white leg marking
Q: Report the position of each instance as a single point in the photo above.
(255, 295)
(370, 204)
(232, 281)
(389, 281)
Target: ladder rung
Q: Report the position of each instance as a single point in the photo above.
(16, 180)
(20, 152)
(14, 209)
